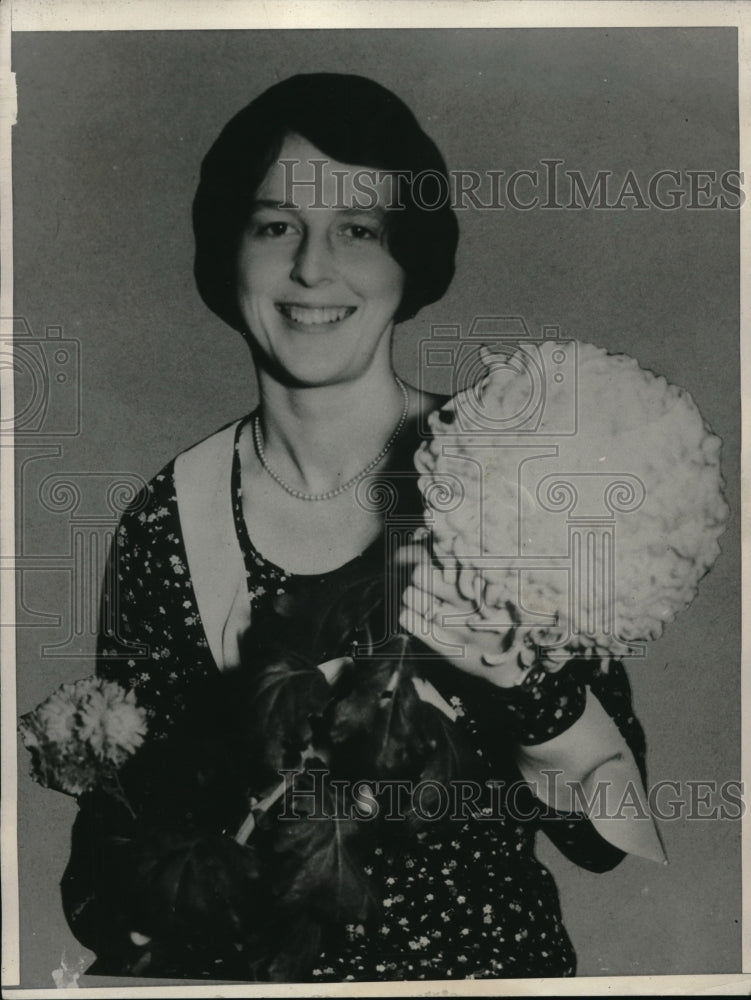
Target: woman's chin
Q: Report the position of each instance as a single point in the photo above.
(314, 361)
(297, 374)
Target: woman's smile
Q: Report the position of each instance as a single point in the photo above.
(312, 316)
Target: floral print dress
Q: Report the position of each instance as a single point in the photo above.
(465, 897)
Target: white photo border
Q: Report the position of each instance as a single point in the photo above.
(180, 15)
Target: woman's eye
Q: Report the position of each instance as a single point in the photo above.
(360, 232)
(273, 229)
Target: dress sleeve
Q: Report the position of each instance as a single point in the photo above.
(583, 751)
(150, 641)
(151, 637)
(576, 741)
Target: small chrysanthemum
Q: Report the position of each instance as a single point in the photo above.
(81, 733)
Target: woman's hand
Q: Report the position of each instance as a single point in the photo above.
(436, 612)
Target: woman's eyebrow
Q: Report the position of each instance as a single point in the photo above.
(364, 210)
(348, 211)
(271, 203)
(375, 210)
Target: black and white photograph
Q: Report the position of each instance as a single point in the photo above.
(371, 481)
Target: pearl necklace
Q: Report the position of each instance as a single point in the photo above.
(329, 494)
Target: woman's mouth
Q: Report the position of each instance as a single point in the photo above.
(314, 315)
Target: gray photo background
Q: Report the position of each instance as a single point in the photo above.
(111, 132)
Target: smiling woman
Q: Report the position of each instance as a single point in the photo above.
(317, 285)
(257, 590)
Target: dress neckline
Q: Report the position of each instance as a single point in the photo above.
(254, 559)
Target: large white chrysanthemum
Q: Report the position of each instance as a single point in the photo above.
(575, 491)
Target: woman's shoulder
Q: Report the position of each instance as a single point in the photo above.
(156, 501)
(152, 511)
(218, 445)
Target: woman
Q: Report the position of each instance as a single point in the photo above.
(262, 545)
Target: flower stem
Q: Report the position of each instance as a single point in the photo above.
(249, 823)
(120, 794)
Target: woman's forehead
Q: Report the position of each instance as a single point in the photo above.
(304, 177)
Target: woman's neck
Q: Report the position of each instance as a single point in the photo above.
(317, 438)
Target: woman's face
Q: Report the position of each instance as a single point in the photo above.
(317, 285)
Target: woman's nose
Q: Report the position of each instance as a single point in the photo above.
(313, 263)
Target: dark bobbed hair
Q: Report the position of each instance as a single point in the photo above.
(350, 119)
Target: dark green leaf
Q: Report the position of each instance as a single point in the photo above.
(319, 857)
(376, 721)
(193, 887)
(283, 700)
